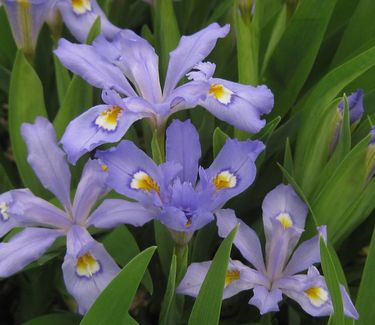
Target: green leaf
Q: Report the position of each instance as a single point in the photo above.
(55, 319)
(167, 32)
(349, 179)
(5, 182)
(77, 99)
(277, 32)
(204, 242)
(288, 159)
(366, 291)
(62, 79)
(219, 139)
(8, 47)
(165, 245)
(157, 146)
(247, 34)
(166, 316)
(265, 134)
(114, 302)
(220, 10)
(295, 53)
(4, 79)
(320, 97)
(94, 31)
(332, 281)
(360, 30)
(26, 102)
(122, 246)
(206, 309)
(340, 150)
(356, 213)
(312, 156)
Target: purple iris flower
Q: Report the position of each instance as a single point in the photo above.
(27, 17)
(355, 103)
(87, 267)
(170, 192)
(129, 66)
(284, 215)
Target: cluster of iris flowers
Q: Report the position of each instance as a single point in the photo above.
(179, 193)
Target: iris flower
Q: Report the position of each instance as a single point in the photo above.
(284, 215)
(26, 18)
(128, 65)
(170, 192)
(87, 267)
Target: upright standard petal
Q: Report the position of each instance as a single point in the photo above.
(47, 159)
(140, 64)
(305, 255)
(131, 172)
(79, 17)
(85, 61)
(87, 268)
(90, 189)
(239, 105)
(279, 247)
(283, 205)
(246, 239)
(234, 169)
(30, 210)
(190, 51)
(24, 248)
(113, 212)
(7, 221)
(183, 147)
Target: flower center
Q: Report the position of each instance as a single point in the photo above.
(285, 220)
(4, 211)
(188, 223)
(81, 6)
(108, 119)
(143, 181)
(222, 94)
(87, 265)
(317, 296)
(232, 275)
(224, 179)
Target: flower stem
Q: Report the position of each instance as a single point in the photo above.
(182, 253)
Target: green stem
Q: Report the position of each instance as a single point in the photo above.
(182, 253)
(266, 319)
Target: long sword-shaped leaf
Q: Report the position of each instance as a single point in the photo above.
(365, 296)
(113, 304)
(206, 309)
(26, 102)
(294, 56)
